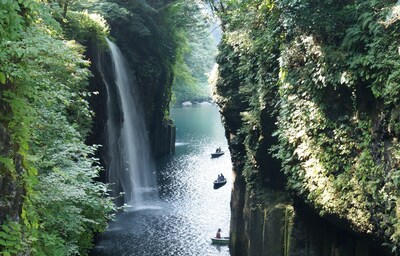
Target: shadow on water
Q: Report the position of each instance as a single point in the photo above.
(189, 210)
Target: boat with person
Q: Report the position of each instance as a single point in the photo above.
(222, 240)
(219, 182)
(218, 152)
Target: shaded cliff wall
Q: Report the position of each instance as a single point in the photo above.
(163, 136)
(12, 187)
(143, 33)
(274, 225)
(266, 220)
(310, 106)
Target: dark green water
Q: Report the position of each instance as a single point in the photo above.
(187, 211)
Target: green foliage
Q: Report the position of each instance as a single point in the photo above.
(326, 73)
(86, 28)
(44, 107)
(2, 78)
(8, 164)
(10, 238)
(11, 22)
(146, 32)
(195, 54)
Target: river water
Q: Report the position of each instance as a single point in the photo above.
(187, 211)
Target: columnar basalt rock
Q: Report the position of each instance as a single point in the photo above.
(268, 222)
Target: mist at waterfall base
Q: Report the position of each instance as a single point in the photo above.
(190, 210)
(129, 165)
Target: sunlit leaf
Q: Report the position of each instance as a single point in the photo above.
(2, 78)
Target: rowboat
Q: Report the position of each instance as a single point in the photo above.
(219, 183)
(222, 240)
(217, 154)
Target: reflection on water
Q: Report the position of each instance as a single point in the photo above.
(189, 211)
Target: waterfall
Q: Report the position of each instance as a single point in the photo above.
(130, 166)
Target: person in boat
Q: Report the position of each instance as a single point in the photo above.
(221, 177)
(218, 235)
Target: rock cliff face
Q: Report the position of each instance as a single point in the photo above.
(141, 31)
(11, 183)
(268, 221)
(144, 49)
(161, 132)
(280, 227)
(311, 121)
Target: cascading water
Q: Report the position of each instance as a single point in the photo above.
(130, 166)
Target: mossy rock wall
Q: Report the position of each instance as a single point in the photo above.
(11, 182)
(309, 94)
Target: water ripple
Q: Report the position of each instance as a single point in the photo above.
(188, 210)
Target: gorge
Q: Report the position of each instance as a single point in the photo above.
(308, 92)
